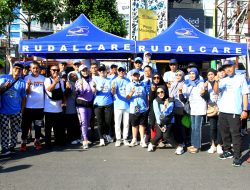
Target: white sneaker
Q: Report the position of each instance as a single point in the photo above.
(143, 144)
(102, 143)
(211, 150)
(74, 142)
(133, 143)
(179, 150)
(85, 146)
(118, 143)
(126, 143)
(150, 147)
(219, 149)
(109, 139)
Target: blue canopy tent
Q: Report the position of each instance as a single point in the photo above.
(185, 42)
(81, 39)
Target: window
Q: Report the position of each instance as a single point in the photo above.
(209, 22)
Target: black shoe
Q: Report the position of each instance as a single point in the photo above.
(237, 162)
(5, 152)
(12, 150)
(226, 154)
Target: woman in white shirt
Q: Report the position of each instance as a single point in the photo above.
(193, 90)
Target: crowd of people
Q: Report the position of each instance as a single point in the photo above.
(165, 110)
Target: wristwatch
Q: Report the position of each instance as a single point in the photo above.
(245, 110)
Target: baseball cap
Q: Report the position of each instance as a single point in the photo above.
(173, 61)
(138, 59)
(147, 53)
(121, 66)
(18, 64)
(227, 63)
(135, 71)
(192, 64)
(102, 67)
(82, 67)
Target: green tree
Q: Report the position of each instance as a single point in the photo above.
(103, 13)
(45, 11)
(6, 16)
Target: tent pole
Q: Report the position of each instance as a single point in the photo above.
(46, 67)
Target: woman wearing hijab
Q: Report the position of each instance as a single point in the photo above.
(71, 120)
(193, 90)
(157, 80)
(84, 102)
(163, 106)
(216, 140)
(178, 109)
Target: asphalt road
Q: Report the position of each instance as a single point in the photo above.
(120, 168)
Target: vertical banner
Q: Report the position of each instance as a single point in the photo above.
(147, 24)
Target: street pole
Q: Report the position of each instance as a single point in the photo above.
(225, 20)
(237, 31)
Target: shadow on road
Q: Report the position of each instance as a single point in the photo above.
(14, 168)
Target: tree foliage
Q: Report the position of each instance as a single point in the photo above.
(45, 11)
(6, 16)
(103, 13)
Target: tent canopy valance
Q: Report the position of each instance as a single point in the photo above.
(185, 42)
(81, 39)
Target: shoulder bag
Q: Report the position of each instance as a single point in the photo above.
(187, 108)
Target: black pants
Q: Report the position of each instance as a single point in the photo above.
(30, 116)
(54, 120)
(214, 130)
(168, 136)
(179, 131)
(73, 127)
(230, 126)
(104, 115)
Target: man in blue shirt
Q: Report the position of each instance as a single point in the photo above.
(233, 108)
(12, 98)
(136, 93)
(121, 106)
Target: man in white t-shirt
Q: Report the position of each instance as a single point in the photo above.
(33, 112)
(169, 76)
(147, 61)
(53, 108)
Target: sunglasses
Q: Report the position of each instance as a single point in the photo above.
(55, 70)
(156, 77)
(161, 92)
(138, 63)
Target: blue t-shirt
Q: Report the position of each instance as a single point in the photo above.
(120, 101)
(147, 83)
(138, 101)
(11, 100)
(103, 96)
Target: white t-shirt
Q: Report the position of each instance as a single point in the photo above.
(52, 106)
(169, 76)
(197, 103)
(36, 98)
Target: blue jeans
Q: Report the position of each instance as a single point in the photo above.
(196, 124)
